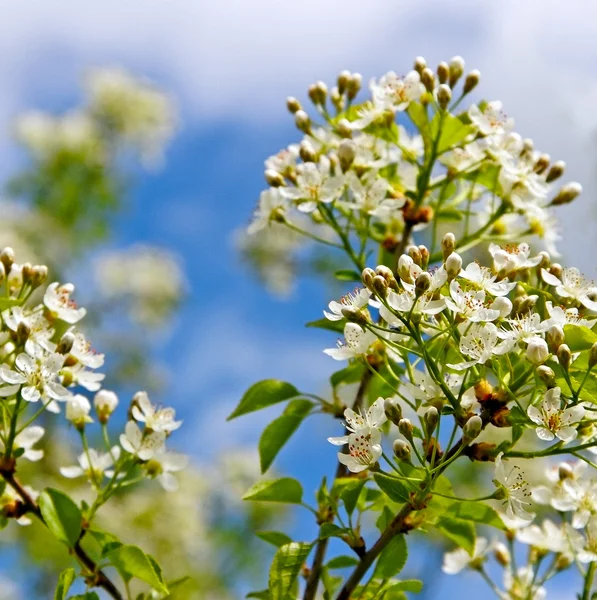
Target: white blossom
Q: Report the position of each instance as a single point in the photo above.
(574, 286)
(553, 419)
(156, 419)
(514, 487)
(357, 342)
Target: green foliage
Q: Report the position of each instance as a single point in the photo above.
(392, 487)
(285, 568)
(276, 538)
(284, 489)
(392, 559)
(61, 515)
(461, 532)
(579, 338)
(64, 583)
(131, 561)
(263, 394)
(279, 431)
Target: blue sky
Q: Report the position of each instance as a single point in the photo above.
(230, 65)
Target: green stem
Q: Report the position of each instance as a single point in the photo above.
(588, 581)
(13, 426)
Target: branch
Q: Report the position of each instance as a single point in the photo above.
(100, 579)
(321, 548)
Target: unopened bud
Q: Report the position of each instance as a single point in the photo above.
(105, 403)
(422, 283)
(565, 471)
(342, 81)
(405, 427)
(367, 277)
(77, 411)
(392, 410)
(307, 152)
(443, 72)
(302, 121)
(556, 171)
(547, 375)
(502, 554)
(318, 93)
(542, 163)
(431, 419)
(274, 178)
(405, 262)
(354, 85)
(387, 274)
(293, 105)
(545, 260)
(7, 258)
(344, 129)
(27, 272)
(444, 95)
(420, 64)
(401, 450)
(424, 256)
(556, 269)
(346, 152)
(563, 561)
(65, 345)
(471, 81)
(453, 265)
(555, 336)
(537, 351)
(564, 356)
(39, 275)
(456, 69)
(337, 99)
(568, 193)
(380, 286)
(23, 332)
(472, 429)
(528, 303)
(448, 244)
(593, 356)
(428, 79)
(415, 254)
(503, 304)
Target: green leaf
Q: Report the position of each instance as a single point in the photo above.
(462, 533)
(392, 559)
(453, 131)
(85, 596)
(450, 214)
(350, 374)
(284, 489)
(348, 275)
(418, 115)
(285, 568)
(328, 530)
(276, 538)
(278, 432)
(579, 338)
(348, 489)
(336, 326)
(131, 561)
(262, 394)
(342, 562)
(408, 585)
(106, 541)
(62, 516)
(393, 488)
(476, 512)
(262, 595)
(64, 582)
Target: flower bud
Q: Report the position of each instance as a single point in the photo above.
(274, 178)
(567, 193)
(380, 286)
(401, 450)
(545, 260)
(453, 265)
(23, 332)
(405, 262)
(7, 258)
(420, 64)
(39, 275)
(65, 345)
(337, 99)
(472, 429)
(471, 81)
(564, 356)
(105, 403)
(537, 351)
(346, 152)
(387, 274)
(392, 410)
(448, 244)
(502, 554)
(342, 81)
(565, 471)
(444, 95)
(547, 375)
(422, 283)
(27, 272)
(415, 254)
(556, 171)
(555, 336)
(405, 427)
(293, 104)
(593, 356)
(307, 152)
(424, 256)
(456, 69)
(302, 121)
(431, 419)
(2, 273)
(367, 277)
(77, 411)
(443, 72)
(542, 163)
(318, 93)
(353, 85)
(556, 269)
(563, 561)
(428, 79)
(503, 304)
(344, 129)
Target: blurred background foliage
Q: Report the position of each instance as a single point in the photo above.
(58, 210)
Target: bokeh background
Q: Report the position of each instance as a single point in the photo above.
(229, 66)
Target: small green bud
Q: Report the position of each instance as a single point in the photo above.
(420, 64)
(367, 277)
(542, 163)
(302, 121)
(346, 152)
(307, 152)
(353, 85)
(65, 345)
(593, 356)
(564, 356)
(428, 79)
(23, 332)
(415, 254)
(555, 336)
(7, 258)
(443, 72)
(401, 450)
(405, 262)
(456, 67)
(392, 410)
(39, 275)
(537, 351)
(424, 256)
(422, 283)
(444, 95)
(344, 129)
(448, 244)
(567, 193)
(431, 419)
(453, 265)
(556, 171)
(293, 104)
(343, 78)
(274, 178)
(472, 429)
(547, 375)
(380, 286)
(405, 427)
(471, 81)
